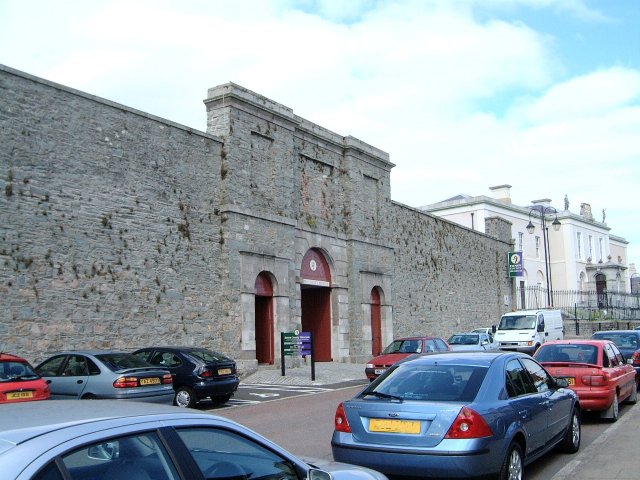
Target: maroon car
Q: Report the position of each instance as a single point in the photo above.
(401, 348)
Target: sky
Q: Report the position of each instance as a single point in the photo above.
(542, 95)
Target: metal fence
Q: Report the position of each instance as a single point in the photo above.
(585, 311)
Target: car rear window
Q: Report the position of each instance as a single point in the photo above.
(567, 353)
(12, 370)
(208, 356)
(622, 340)
(121, 361)
(441, 383)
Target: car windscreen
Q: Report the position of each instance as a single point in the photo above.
(440, 383)
(404, 346)
(121, 361)
(467, 339)
(517, 322)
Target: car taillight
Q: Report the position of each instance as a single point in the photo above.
(636, 357)
(126, 382)
(167, 378)
(206, 373)
(469, 424)
(594, 380)
(340, 422)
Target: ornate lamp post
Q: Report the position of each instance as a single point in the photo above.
(541, 211)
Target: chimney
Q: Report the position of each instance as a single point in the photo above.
(545, 202)
(502, 193)
(585, 211)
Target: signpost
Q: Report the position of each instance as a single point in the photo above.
(297, 344)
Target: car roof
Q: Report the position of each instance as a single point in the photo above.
(177, 349)
(87, 352)
(577, 342)
(6, 357)
(482, 358)
(423, 337)
(24, 420)
(604, 332)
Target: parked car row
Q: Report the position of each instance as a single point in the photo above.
(179, 375)
(135, 441)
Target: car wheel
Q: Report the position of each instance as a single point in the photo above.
(513, 466)
(184, 398)
(613, 411)
(633, 398)
(571, 441)
(220, 399)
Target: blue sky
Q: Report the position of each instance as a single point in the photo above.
(543, 95)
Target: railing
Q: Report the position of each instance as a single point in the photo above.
(586, 311)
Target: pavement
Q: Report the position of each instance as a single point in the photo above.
(612, 456)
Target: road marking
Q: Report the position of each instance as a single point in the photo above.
(285, 388)
(265, 395)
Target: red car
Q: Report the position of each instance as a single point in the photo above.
(19, 382)
(401, 348)
(595, 369)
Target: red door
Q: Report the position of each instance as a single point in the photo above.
(316, 318)
(264, 319)
(376, 323)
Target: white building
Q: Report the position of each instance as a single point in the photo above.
(582, 253)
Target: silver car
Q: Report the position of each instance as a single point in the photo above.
(472, 341)
(105, 374)
(109, 440)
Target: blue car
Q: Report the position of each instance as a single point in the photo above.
(627, 341)
(458, 415)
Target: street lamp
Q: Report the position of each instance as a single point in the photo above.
(542, 212)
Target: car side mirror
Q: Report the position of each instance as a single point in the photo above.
(316, 474)
(541, 327)
(562, 382)
(493, 329)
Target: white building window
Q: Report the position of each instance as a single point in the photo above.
(537, 247)
(579, 239)
(601, 247)
(590, 248)
(520, 240)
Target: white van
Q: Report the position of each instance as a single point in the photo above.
(526, 330)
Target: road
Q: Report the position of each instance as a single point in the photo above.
(301, 420)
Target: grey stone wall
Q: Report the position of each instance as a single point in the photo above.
(120, 229)
(108, 232)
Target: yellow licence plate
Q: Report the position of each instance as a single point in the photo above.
(571, 381)
(224, 371)
(17, 395)
(394, 426)
(149, 381)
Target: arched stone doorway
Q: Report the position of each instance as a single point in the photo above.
(264, 319)
(376, 322)
(315, 302)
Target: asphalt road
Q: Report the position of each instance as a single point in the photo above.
(301, 420)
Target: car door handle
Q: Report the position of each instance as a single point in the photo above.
(80, 381)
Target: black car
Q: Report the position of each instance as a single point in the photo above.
(198, 373)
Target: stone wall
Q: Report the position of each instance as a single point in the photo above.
(120, 229)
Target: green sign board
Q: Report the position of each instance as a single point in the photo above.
(516, 264)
